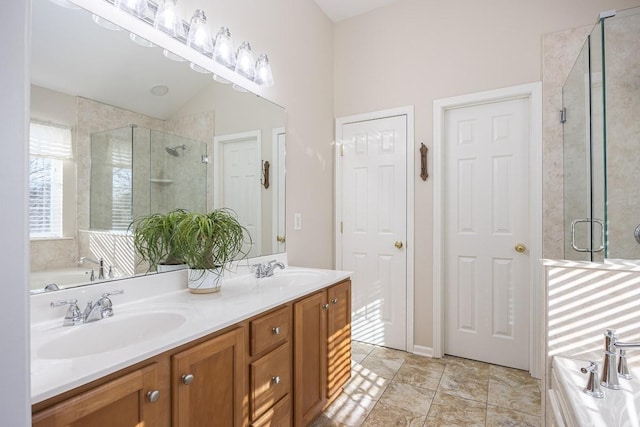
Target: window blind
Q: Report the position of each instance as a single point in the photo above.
(122, 184)
(49, 146)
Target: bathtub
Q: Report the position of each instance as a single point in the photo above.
(63, 277)
(571, 407)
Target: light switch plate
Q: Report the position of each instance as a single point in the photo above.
(297, 221)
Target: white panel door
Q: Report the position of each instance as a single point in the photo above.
(375, 227)
(487, 208)
(278, 173)
(240, 185)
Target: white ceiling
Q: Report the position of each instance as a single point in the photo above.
(337, 10)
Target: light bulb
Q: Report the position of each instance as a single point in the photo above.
(223, 49)
(264, 76)
(167, 20)
(244, 61)
(199, 37)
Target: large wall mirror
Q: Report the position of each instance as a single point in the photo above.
(120, 131)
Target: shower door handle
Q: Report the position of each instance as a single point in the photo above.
(573, 234)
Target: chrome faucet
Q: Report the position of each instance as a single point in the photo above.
(611, 371)
(263, 270)
(101, 309)
(99, 262)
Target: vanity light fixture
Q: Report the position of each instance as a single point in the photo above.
(223, 48)
(137, 8)
(199, 37)
(245, 65)
(167, 20)
(263, 77)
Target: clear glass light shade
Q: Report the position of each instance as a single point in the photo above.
(167, 20)
(65, 3)
(199, 37)
(223, 51)
(140, 40)
(104, 23)
(137, 8)
(172, 56)
(245, 65)
(263, 77)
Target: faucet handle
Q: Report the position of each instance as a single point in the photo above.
(73, 315)
(106, 304)
(593, 384)
(623, 370)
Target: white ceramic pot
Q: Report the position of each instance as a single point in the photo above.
(163, 268)
(204, 281)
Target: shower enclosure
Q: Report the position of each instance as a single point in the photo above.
(137, 171)
(601, 126)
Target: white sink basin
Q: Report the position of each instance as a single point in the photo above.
(121, 330)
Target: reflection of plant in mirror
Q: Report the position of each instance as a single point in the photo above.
(208, 241)
(153, 238)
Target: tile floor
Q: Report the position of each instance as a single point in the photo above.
(394, 388)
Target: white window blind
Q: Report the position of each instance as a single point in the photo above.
(49, 147)
(122, 205)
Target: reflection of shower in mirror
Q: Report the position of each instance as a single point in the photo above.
(174, 150)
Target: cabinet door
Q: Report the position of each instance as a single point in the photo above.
(310, 357)
(208, 382)
(339, 337)
(123, 402)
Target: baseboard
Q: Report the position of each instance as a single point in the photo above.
(422, 350)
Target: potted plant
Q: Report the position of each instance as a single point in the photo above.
(207, 242)
(153, 240)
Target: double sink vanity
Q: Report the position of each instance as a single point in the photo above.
(262, 351)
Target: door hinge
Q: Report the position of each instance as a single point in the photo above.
(341, 150)
(563, 115)
(341, 227)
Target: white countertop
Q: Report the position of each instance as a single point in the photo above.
(618, 408)
(240, 298)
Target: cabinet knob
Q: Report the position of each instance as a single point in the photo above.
(334, 301)
(187, 379)
(276, 330)
(325, 306)
(276, 379)
(153, 396)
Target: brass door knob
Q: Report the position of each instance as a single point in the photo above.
(399, 244)
(281, 239)
(520, 248)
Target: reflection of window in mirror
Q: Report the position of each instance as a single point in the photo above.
(50, 159)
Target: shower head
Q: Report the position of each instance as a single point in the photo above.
(174, 150)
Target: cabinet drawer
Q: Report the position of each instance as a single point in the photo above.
(269, 330)
(270, 379)
(278, 416)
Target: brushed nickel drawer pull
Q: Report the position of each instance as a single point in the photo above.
(276, 379)
(276, 330)
(334, 301)
(187, 379)
(153, 396)
(325, 306)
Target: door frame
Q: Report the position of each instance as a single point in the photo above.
(410, 166)
(532, 92)
(276, 167)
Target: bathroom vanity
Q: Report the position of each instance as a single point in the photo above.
(262, 352)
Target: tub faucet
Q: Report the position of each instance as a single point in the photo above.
(99, 262)
(267, 270)
(611, 371)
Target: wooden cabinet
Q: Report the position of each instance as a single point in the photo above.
(277, 369)
(338, 338)
(131, 400)
(270, 368)
(322, 350)
(208, 382)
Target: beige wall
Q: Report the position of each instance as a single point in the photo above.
(413, 52)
